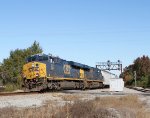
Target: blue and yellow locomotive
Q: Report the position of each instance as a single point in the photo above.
(43, 72)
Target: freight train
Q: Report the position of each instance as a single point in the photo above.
(47, 72)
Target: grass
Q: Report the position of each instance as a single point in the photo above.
(100, 107)
(10, 87)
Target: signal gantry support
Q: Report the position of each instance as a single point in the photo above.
(109, 65)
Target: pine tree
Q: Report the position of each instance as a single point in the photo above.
(11, 68)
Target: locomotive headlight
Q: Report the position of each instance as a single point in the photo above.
(37, 65)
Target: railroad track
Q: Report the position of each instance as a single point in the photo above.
(24, 93)
(145, 90)
(17, 93)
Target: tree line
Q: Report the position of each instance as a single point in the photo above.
(142, 67)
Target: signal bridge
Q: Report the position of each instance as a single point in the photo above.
(110, 65)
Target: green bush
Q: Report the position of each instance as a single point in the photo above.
(11, 87)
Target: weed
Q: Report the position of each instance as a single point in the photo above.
(102, 107)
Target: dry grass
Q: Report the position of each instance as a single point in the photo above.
(104, 107)
(127, 106)
(70, 97)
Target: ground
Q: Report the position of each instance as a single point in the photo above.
(60, 99)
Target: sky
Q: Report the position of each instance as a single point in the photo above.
(86, 31)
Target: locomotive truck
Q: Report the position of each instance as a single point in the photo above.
(47, 72)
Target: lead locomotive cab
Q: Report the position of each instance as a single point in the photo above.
(48, 72)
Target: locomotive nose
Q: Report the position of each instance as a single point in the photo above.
(34, 70)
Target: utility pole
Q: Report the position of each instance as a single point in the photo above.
(135, 77)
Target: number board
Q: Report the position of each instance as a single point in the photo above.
(67, 69)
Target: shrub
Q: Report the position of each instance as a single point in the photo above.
(10, 87)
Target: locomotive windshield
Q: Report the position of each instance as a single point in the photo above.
(37, 58)
(31, 58)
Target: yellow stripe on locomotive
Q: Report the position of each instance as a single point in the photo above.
(82, 74)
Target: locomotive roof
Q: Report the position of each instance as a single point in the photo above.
(72, 63)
